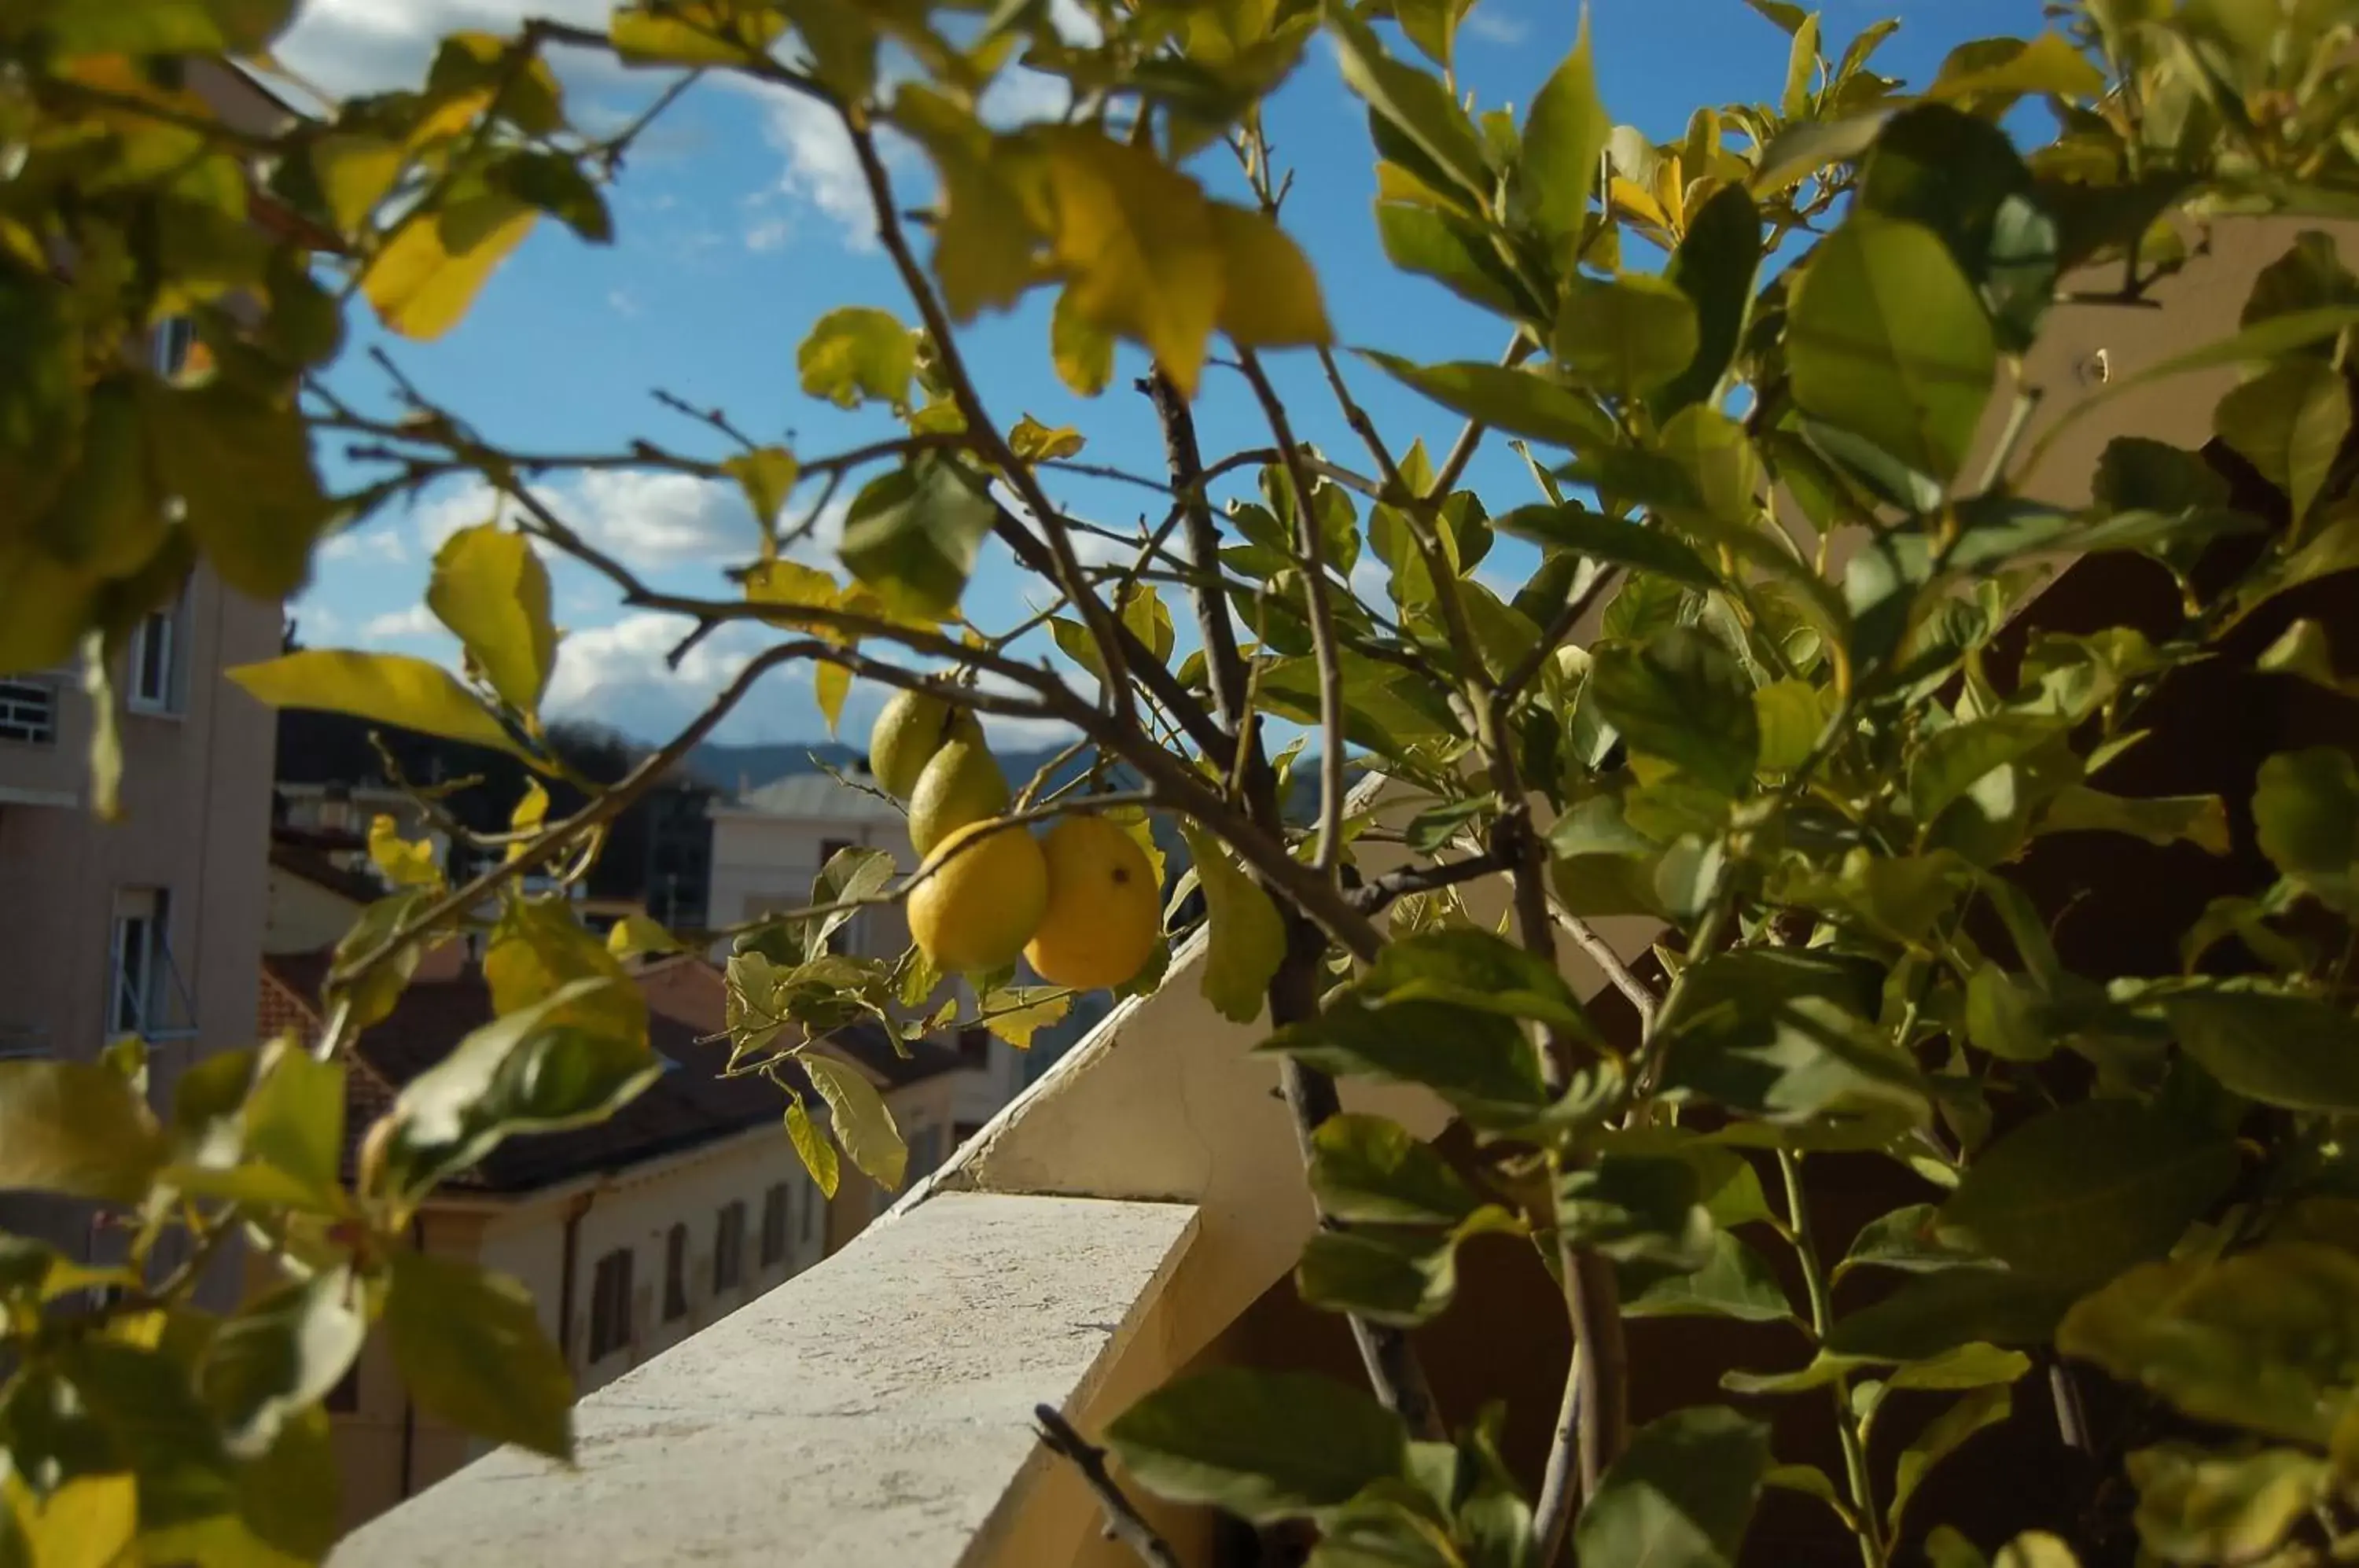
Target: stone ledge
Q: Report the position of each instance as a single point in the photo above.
(872, 1411)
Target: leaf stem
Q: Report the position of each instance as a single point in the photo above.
(1869, 1529)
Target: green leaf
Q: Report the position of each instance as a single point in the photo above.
(1416, 104)
(2294, 1051)
(1521, 402)
(857, 1113)
(1564, 140)
(635, 936)
(1735, 1282)
(1715, 267)
(166, 26)
(1802, 69)
(1367, 1169)
(524, 1072)
(2305, 652)
(1886, 340)
(913, 535)
(1944, 1436)
(1036, 442)
(538, 948)
(145, 1404)
(1949, 763)
(77, 1129)
(1596, 537)
(427, 276)
(1806, 146)
(2253, 1340)
(2199, 819)
(386, 688)
(1467, 967)
(1945, 1547)
(282, 1352)
(1958, 175)
(491, 590)
(1247, 936)
(241, 466)
(294, 1119)
(2047, 65)
(1478, 1062)
(1458, 253)
(2288, 423)
(2003, 1017)
(857, 352)
(1967, 1367)
(2080, 1192)
(1638, 1209)
(2306, 815)
(1382, 1273)
(1681, 698)
(817, 1155)
(1680, 1495)
(1627, 336)
(471, 1352)
(1941, 1312)
(1791, 714)
(554, 184)
(1264, 1445)
(2198, 1505)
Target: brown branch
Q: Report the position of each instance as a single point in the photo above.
(1124, 1521)
(1600, 952)
(1374, 896)
(1222, 663)
(1312, 543)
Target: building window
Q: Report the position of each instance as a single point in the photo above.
(152, 683)
(174, 340)
(610, 1304)
(773, 1227)
(344, 1398)
(28, 711)
(974, 1046)
(814, 1201)
(676, 1274)
(138, 957)
(729, 1248)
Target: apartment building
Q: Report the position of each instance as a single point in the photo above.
(150, 924)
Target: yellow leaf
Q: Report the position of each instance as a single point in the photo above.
(1669, 189)
(790, 582)
(529, 814)
(1635, 201)
(986, 239)
(635, 936)
(1036, 442)
(355, 173)
(539, 949)
(696, 32)
(1018, 1013)
(767, 476)
(1084, 350)
(427, 275)
(89, 1522)
(1269, 296)
(390, 687)
(831, 683)
(451, 117)
(1136, 243)
(492, 591)
(405, 864)
(818, 1154)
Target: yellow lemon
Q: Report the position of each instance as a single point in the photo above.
(963, 784)
(1105, 913)
(912, 726)
(980, 898)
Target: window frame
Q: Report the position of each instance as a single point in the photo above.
(773, 1250)
(675, 1302)
(610, 1303)
(158, 626)
(729, 1248)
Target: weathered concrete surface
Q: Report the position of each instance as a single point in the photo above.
(872, 1412)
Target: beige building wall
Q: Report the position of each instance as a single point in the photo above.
(301, 916)
(762, 862)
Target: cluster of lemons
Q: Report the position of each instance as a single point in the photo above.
(1080, 904)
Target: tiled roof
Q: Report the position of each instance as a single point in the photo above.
(689, 1106)
(818, 797)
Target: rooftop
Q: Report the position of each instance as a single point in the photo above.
(816, 796)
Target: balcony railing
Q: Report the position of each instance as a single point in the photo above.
(28, 710)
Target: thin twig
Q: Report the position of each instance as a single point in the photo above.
(1374, 896)
(1124, 1521)
(1600, 952)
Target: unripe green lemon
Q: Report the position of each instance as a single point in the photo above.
(963, 784)
(907, 732)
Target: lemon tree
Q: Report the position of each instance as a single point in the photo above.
(1763, 674)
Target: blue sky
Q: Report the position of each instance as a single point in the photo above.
(737, 226)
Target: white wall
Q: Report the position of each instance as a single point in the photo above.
(762, 863)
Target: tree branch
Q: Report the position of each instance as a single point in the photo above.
(1600, 952)
(1124, 1521)
(1374, 896)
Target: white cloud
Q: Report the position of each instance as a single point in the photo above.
(617, 675)
(378, 546)
(351, 46)
(822, 166)
(400, 625)
(450, 510)
(623, 302)
(1498, 26)
(770, 233)
(645, 519)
